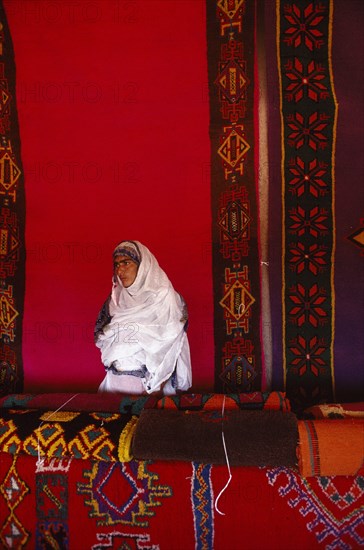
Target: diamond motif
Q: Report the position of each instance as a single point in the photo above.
(234, 220)
(7, 312)
(13, 534)
(9, 171)
(232, 81)
(237, 300)
(135, 500)
(13, 488)
(357, 237)
(239, 374)
(233, 148)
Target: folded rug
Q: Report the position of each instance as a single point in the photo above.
(105, 402)
(335, 410)
(60, 434)
(330, 447)
(252, 438)
(211, 401)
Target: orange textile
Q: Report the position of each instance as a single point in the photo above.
(330, 447)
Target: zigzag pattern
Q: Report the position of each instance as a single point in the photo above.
(202, 505)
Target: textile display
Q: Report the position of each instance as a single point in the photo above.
(315, 233)
(235, 242)
(293, 76)
(316, 322)
(252, 438)
(309, 113)
(12, 212)
(331, 447)
(65, 434)
(88, 504)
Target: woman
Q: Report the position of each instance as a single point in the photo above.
(141, 328)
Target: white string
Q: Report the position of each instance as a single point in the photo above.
(227, 460)
(241, 309)
(41, 459)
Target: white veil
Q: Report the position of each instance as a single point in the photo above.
(148, 321)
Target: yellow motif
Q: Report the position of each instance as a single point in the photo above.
(14, 490)
(9, 172)
(47, 440)
(126, 438)
(233, 148)
(92, 447)
(230, 7)
(105, 417)
(8, 313)
(229, 85)
(237, 300)
(9, 437)
(59, 416)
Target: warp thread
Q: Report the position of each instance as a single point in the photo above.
(227, 461)
(41, 459)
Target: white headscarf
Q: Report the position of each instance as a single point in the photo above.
(147, 325)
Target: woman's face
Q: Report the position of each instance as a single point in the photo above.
(125, 269)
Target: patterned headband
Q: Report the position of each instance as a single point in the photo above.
(131, 251)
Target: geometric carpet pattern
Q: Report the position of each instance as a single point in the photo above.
(12, 211)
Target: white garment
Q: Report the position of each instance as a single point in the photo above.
(131, 385)
(147, 328)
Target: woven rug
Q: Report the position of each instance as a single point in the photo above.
(96, 504)
(252, 438)
(316, 264)
(236, 279)
(12, 211)
(64, 435)
(309, 119)
(331, 447)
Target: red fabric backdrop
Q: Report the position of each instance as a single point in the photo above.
(113, 113)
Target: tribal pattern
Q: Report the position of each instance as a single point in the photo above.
(12, 533)
(230, 28)
(332, 505)
(202, 506)
(64, 434)
(12, 248)
(308, 115)
(126, 493)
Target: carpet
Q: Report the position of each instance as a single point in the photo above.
(331, 447)
(252, 438)
(97, 402)
(335, 410)
(12, 211)
(88, 504)
(235, 240)
(308, 113)
(67, 435)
